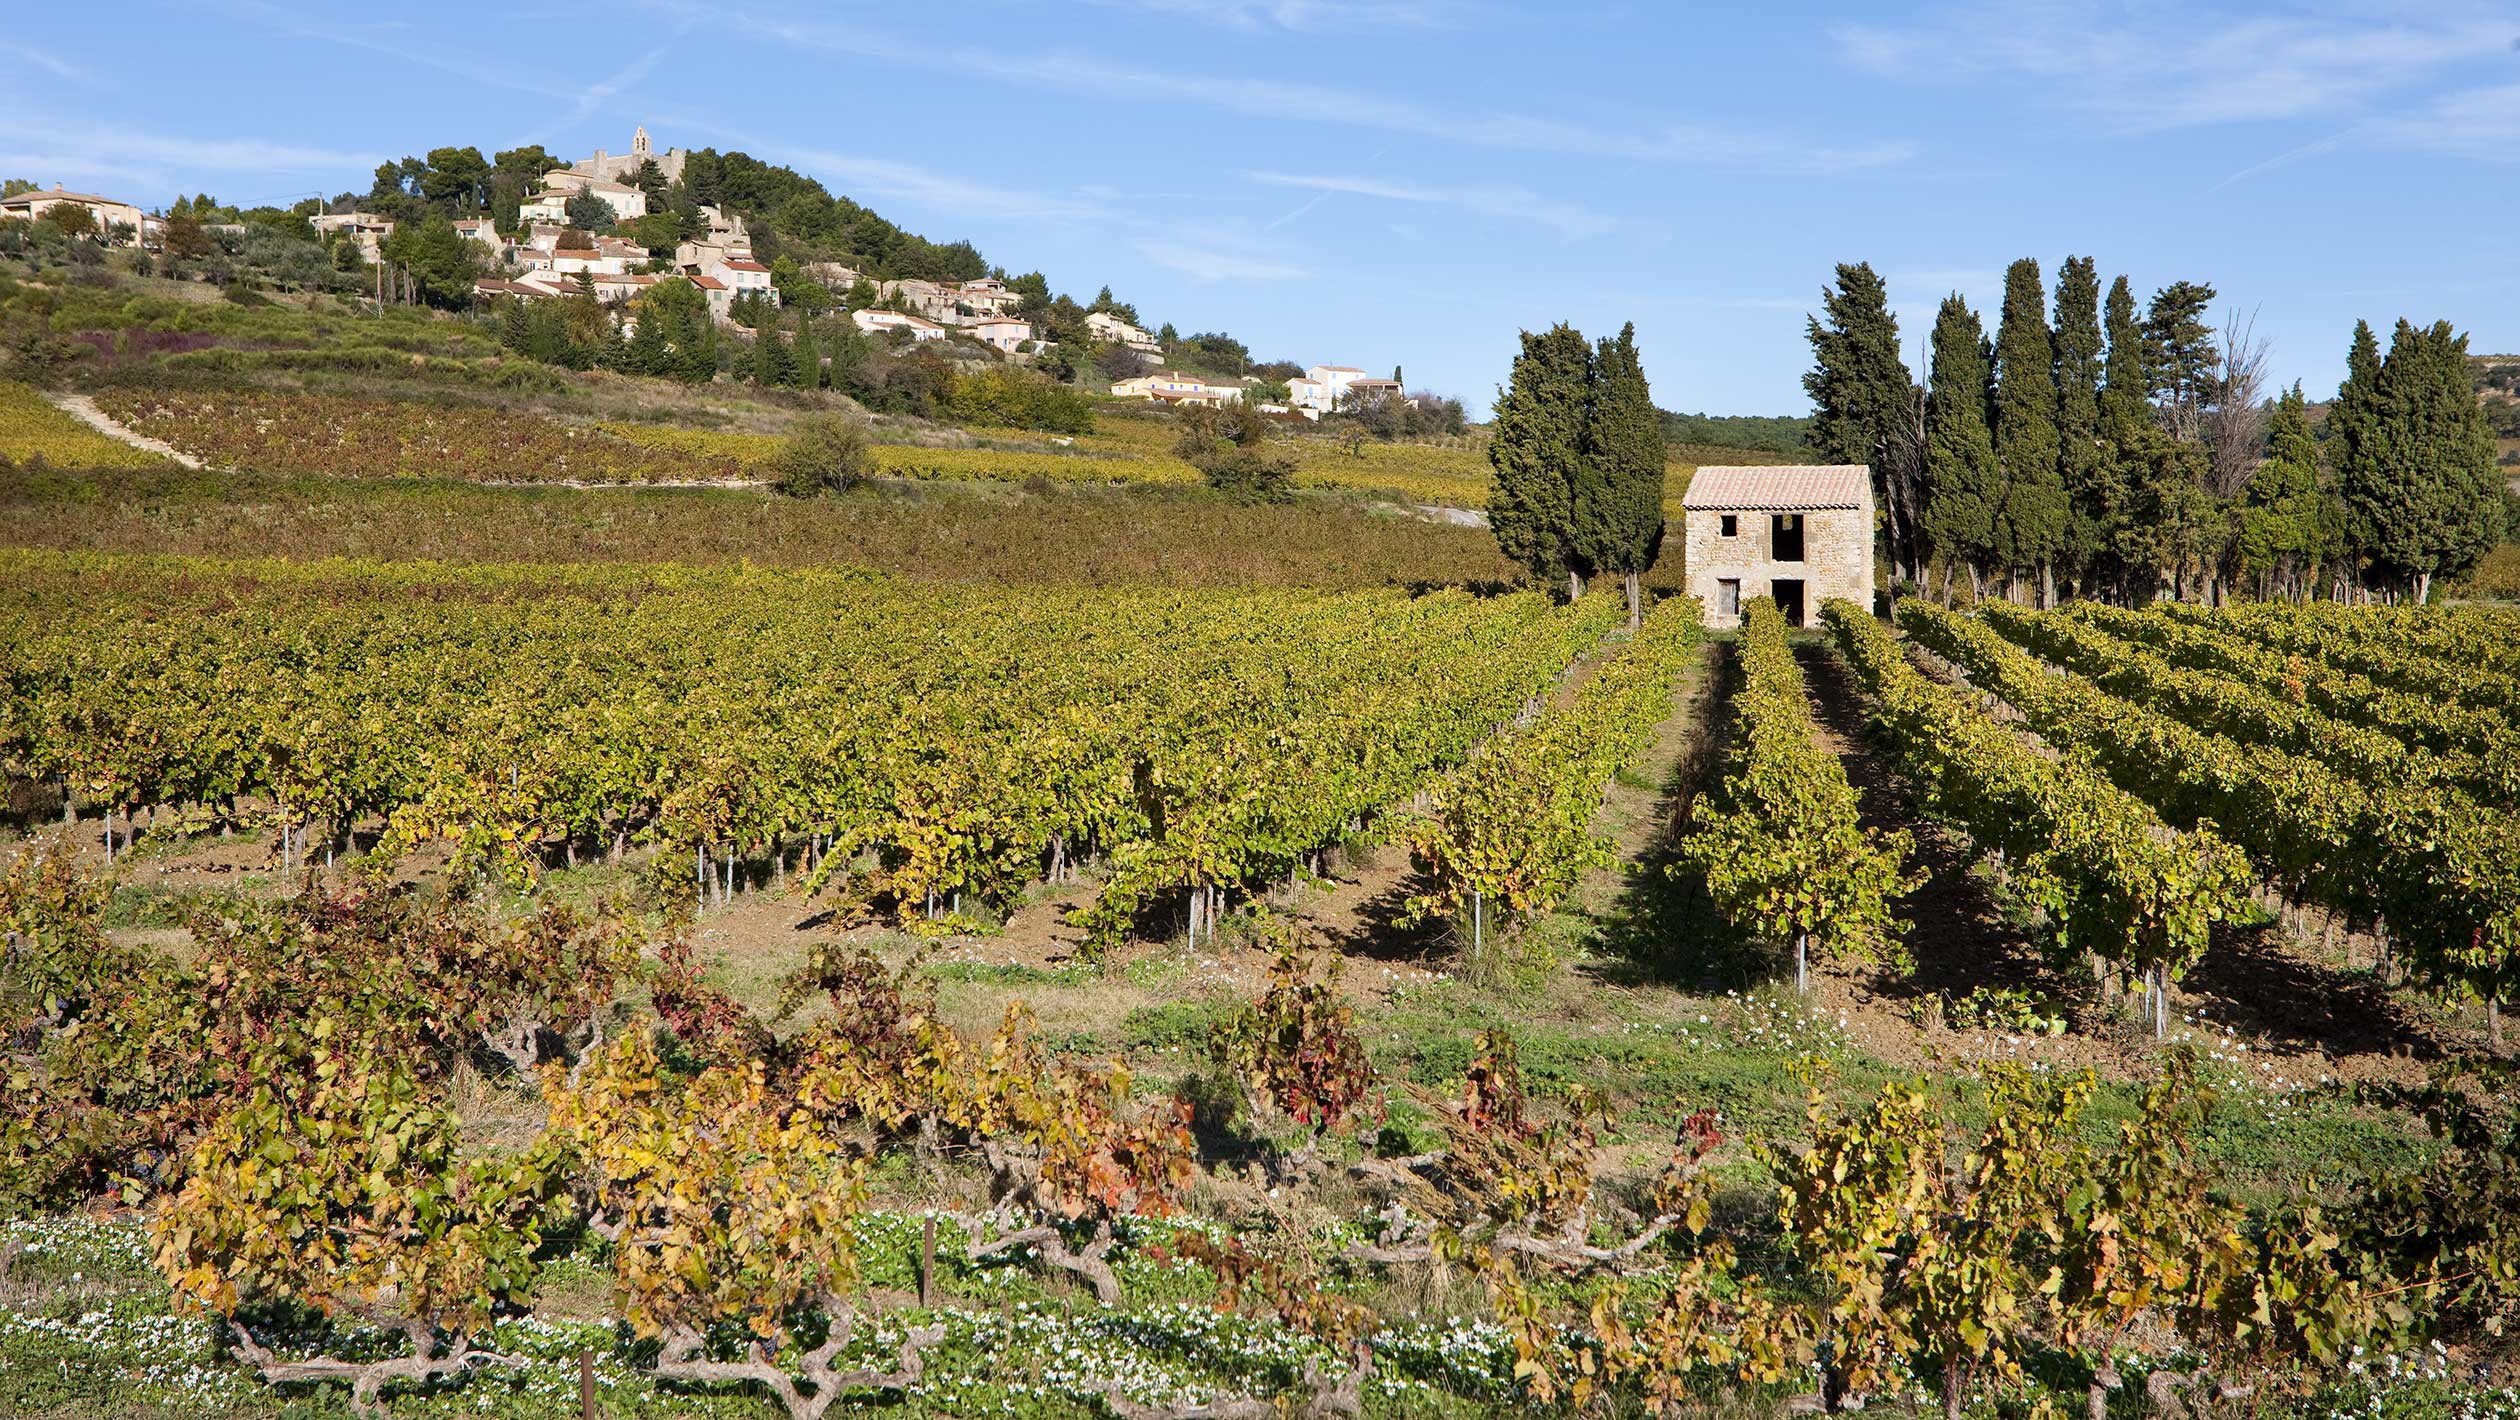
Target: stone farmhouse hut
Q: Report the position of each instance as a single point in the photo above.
(1799, 533)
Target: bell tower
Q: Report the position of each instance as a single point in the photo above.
(640, 149)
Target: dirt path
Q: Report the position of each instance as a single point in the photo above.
(83, 409)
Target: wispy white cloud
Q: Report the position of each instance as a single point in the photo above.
(594, 95)
(1279, 100)
(1489, 199)
(2157, 68)
(69, 149)
(911, 181)
(2469, 123)
(1207, 264)
(1311, 16)
(52, 64)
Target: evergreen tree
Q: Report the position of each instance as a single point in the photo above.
(2079, 452)
(770, 355)
(2180, 356)
(2281, 535)
(805, 361)
(1618, 498)
(1536, 446)
(2352, 431)
(1862, 400)
(647, 353)
(1959, 452)
(2420, 474)
(2125, 392)
(2126, 452)
(2030, 516)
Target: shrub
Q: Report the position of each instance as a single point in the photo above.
(1013, 399)
(1231, 450)
(825, 454)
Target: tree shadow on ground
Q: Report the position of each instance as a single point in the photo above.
(1662, 930)
(2255, 982)
(1959, 935)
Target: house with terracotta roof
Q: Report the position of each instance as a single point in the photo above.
(879, 322)
(108, 213)
(1175, 387)
(1801, 533)
(1319, 389)
(551, 204)
(1004, 333)
(1110, 329)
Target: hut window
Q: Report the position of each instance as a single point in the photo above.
(1732, 525)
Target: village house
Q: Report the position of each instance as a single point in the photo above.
(720, 296)
(621, 167)
(479, 229)
(1801, 533)
(551, 204)
(365, 228)
(953, 302)
(1368, 390)
(1110, 329)
(1319, 389)
(108, 213)
(1003, 333)
(1176, 388)
(876, 322)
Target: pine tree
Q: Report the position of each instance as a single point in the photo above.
(2030, 515)
(1959, 452)
(2079, 453)
(2180, 356)
(1618, 502)
(2280, 526)
(1536, 446)
(2421, 477)
(1863, 402)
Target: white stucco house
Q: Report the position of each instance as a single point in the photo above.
(1106, 327)
(1003, 333)
(1319, 389)
(875, 322)
(551, 204)
(1176, 388)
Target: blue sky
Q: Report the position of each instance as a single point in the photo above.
(1411, 182)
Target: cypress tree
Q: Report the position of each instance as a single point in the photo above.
(1536, 446)
(2125, 392)
(2352, 430)
(2127, 456)
(805, 361)
(2078, 446)
(1959, 452)
(2280, 532)
(1862, 399)
(2420, 476)
(1619, 501)
(647, 353)
(2030, 518)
